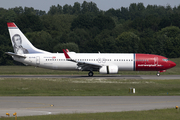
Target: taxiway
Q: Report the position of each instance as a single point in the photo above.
(28, 106)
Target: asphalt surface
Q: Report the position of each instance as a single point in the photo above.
(162, 77)
(28, 106)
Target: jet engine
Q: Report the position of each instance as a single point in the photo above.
(108, 70)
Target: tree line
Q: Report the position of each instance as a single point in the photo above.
(83, 28)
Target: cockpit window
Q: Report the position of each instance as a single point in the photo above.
(165, 59)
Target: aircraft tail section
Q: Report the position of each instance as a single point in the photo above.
(19, 41)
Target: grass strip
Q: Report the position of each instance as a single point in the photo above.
(86, 87)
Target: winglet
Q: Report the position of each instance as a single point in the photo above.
(66, 55)
(67, 50)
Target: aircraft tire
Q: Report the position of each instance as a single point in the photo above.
(90, 74)
(158, 74)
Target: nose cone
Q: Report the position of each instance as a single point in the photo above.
(172, 64)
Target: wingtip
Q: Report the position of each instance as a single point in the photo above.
(66, 55)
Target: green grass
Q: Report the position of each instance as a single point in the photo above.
(15, 70)
(86, 87)
(162, 114)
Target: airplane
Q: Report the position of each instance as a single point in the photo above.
(105, 63)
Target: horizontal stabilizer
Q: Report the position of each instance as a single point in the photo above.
(13, 54)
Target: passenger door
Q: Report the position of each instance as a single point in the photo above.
(37, 60)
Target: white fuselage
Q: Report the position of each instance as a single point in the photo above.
(58, 61)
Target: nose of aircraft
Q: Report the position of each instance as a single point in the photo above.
(172, 64)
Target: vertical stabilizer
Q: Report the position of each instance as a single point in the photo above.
(19, 41)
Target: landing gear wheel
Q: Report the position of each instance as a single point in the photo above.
(90, 74)
(158, 74)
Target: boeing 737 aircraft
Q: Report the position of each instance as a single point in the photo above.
(105, 63)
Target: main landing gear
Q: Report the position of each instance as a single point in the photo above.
(90, 74)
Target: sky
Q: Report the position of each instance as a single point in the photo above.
(101, 4)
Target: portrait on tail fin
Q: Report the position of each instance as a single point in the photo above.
(18, 48)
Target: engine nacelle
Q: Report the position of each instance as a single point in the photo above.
(108, 70)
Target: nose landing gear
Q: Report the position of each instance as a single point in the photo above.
(158, 74)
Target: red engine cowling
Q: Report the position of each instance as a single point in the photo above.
(108, 70)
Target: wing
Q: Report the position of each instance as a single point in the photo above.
(83, 65)
(13, 54)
